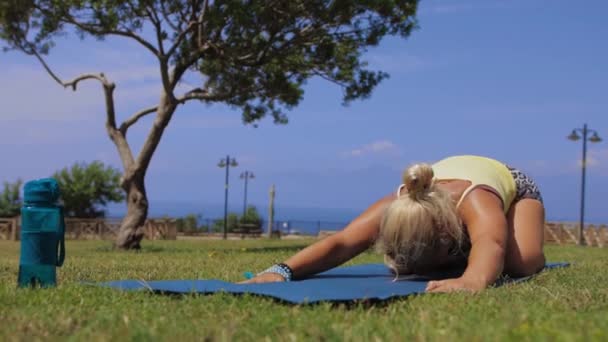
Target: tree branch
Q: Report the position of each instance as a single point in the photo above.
(165, 111)
(165, 14)
(157, 27)
(180, 68)
(108, 88)
(180, 38)
(261, 55)
(200, 24)
(194, 94)
(204, 95)
(329, 79)
(132, 120)
(162, 58)
(73, 83)
(94, 30)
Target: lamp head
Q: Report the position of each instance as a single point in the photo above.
(595, 138)
(246, 174)
(574, 136)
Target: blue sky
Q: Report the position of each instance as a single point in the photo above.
(507, 79)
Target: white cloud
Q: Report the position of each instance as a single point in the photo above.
(591, 162)
(596, 158)
(377, 147)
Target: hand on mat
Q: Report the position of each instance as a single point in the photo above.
(452, 285)
(264, 278)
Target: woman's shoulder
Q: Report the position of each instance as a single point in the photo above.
(481, 200)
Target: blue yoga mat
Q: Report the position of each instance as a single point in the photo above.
(372, 282)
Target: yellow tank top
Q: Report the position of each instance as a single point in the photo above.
(480, 171)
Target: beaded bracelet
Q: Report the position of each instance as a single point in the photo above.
(281, 269)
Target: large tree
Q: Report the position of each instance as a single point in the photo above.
(254, 56)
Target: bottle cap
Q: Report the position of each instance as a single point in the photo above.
(41, 190)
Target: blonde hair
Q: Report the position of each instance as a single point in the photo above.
(417, 221)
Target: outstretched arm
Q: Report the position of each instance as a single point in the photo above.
(486, 223)
(336, 249)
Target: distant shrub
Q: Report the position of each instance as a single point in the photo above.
(231, 225)
(87, 188)
(10, 199)
(252, 216)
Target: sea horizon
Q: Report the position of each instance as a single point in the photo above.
(212, 211)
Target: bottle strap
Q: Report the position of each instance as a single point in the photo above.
(61, 240)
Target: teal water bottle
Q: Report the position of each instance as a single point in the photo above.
(42, 234)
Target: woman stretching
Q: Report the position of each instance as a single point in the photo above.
(467, 209)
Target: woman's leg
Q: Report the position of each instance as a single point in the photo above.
(524, 254)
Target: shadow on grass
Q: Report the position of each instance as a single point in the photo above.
(354, 304)
(293, 248)
(145, 249)
(159, 249)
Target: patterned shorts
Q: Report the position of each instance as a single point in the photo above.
(526, 187)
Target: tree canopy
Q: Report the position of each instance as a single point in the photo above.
(87, 188)
(254, 56)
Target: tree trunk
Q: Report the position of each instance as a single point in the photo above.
(132, 228)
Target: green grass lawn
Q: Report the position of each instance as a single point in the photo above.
(562, 304)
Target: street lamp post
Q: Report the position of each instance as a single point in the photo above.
(246, 176)
(594, 138)
(227, 163)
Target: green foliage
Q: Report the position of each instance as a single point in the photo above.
(189, 224)
(234, 220)
(87, 188)
(10, 199)
(232, 223)
(569, 304)
(253, 55)
(251, 216)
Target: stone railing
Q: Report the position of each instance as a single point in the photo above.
(567, 233)
(9, 228)
(561, 233)
(165, 229)
(93, 229)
